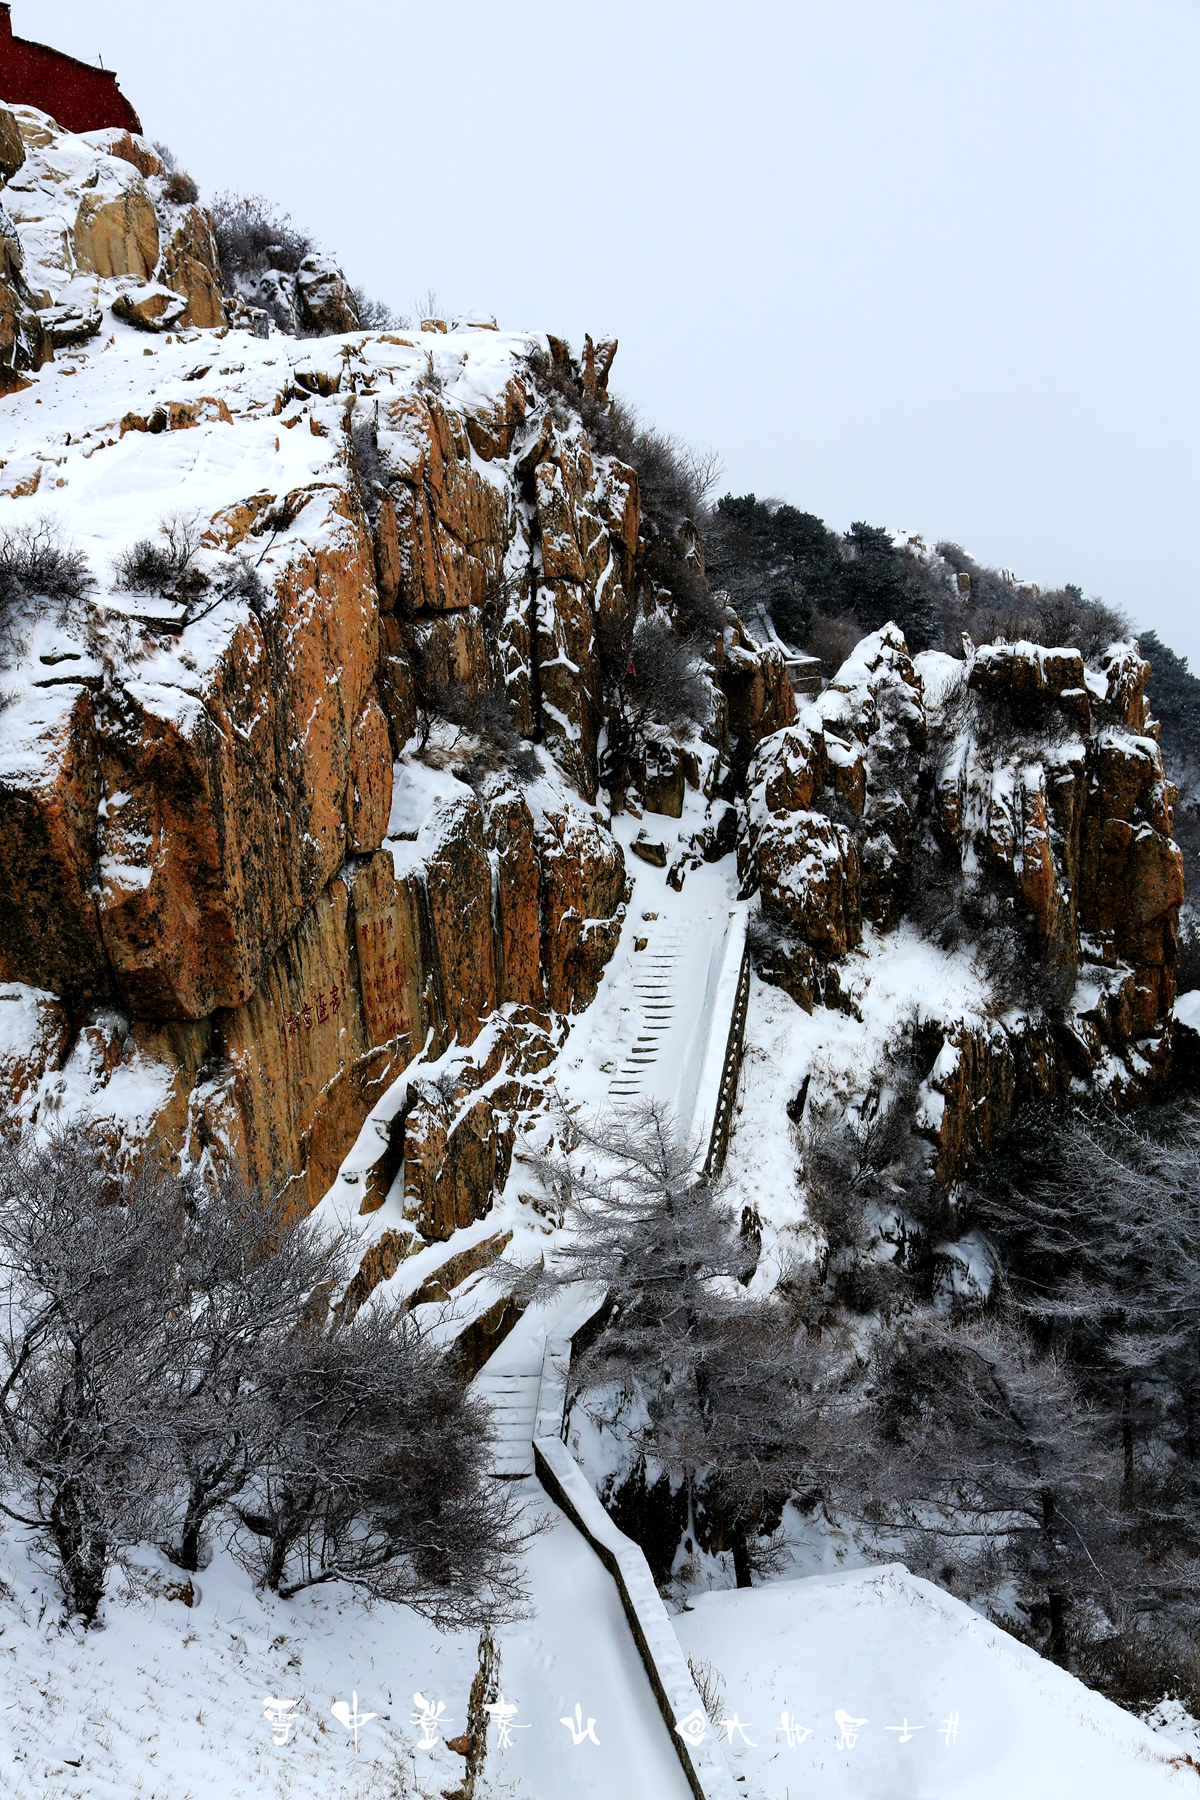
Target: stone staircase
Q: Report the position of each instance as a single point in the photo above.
(512, 1396)
(654, 993)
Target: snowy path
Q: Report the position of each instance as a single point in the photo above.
(647, 1034)
(654, 991)
(578, 1648)
(513, 1399)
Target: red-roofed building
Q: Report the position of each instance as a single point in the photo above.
(78, 96)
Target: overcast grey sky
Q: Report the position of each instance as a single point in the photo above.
(931, 264)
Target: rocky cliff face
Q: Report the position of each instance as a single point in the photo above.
(247, 871)
(260, 850)
(1016, 798)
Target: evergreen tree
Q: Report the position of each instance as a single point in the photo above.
(776, 557)
(1174, 696)
(715, 1377)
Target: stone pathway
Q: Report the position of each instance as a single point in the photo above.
(653, 987)
(577, 1648)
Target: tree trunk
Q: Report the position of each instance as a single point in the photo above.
(187, 1553)
(1058, 1600)
(741, 1556)
(83, 1552)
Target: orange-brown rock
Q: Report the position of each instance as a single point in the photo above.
(369, 788)
(24, 342)
(12, 149)
(217, 812)
(306, 1056)
(50, 789)
(789, 770)
(118, 235)
(458, 884)
(1083, 825)
(758, 694)
(453, 1161)
(131, 149)
(189, 840)
(150, 307)
(660, 777)
(460, 1129)
(509, 836)
(449, 650)
(454, 1271)
(325, 303)
(190, 265)
(452, 524)
(397, 684)
(808, 874)
(569, 680)
(492, 428)
(387, 553)
(583, 890)
(379, 1263)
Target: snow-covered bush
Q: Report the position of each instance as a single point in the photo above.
(170, 1369)
(253, 235)
(376, 1476)
(37, 562)
(168, 566)
(713, 1378)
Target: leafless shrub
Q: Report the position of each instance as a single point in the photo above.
(673, 478)
(372, 471)
(865, 1174)
(379, 1478)
(180, 189)
(253, 235)
(167, 567)
(245, 583)
(995, 607)
(1187, 954)
(967, 1436)
(673, 482)
(376, 315)
(484, 717)
(664, 683)
(36, 562)
(982, 911)
(1136, 1659)
(710, 1685)
(169, 1363)
(720, 1381)
(85, 1279)
(831, 639)
(249, 1282)
(655, 682)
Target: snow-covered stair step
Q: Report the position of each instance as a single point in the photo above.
(653, 990)
(513, 1401)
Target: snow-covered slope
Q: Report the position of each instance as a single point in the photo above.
(945, 1703)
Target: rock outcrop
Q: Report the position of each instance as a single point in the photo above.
(94, 225)
(247, 894)
(1021, 774)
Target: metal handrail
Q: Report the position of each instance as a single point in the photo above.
(718, 1142)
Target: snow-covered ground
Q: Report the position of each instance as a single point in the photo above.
(945, 1703)
(167, 1701)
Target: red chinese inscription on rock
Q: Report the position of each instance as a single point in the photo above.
(328, 1004)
